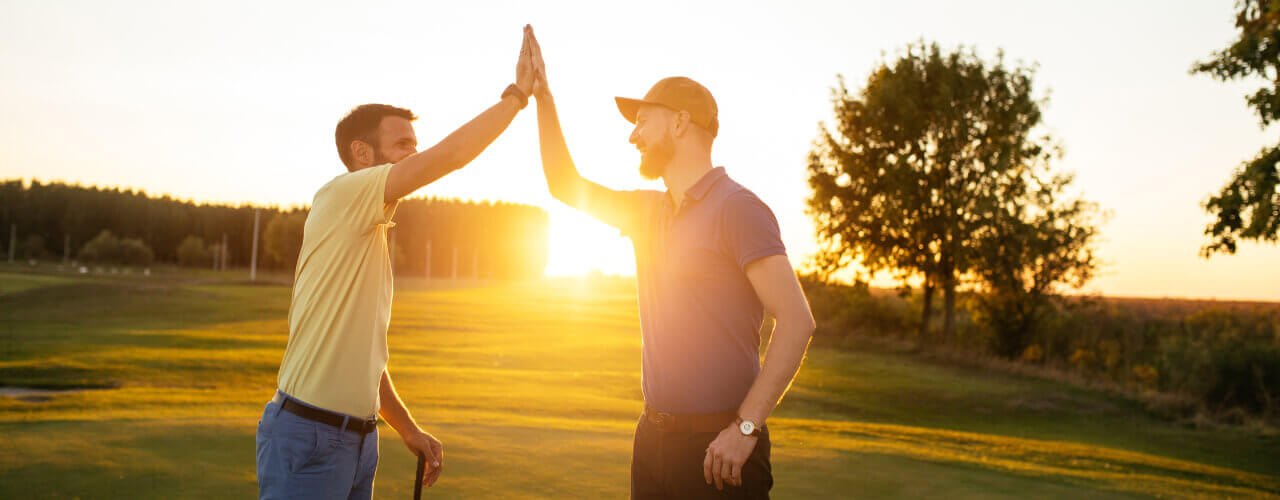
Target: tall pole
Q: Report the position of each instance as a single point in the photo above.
(253, 259)
(13, 241)
(428, 258)
(224, 252)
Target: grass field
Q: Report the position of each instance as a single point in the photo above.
(534, 389)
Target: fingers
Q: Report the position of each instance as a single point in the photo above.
(706, 467)
(735, 474)
(726, 472)
(717, 466)
(437, 457)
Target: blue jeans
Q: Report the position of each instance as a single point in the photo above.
(300, 458)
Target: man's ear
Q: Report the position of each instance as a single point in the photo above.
(361, 152)
(682, 120)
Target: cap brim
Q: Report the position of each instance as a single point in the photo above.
(629, 107)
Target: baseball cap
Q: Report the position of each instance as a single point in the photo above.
(680, 94)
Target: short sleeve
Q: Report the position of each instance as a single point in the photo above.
(749, 230)
(362, 193)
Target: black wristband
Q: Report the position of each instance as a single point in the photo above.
(515, 91)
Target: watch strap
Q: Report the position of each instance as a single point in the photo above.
(515, 91)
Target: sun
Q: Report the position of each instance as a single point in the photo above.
(580, 244)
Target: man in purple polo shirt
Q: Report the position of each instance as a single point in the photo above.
(709, 263)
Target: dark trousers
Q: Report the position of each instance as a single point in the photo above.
(668, 465)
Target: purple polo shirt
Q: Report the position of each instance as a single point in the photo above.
(699, 316)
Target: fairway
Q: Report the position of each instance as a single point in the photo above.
(534, 388)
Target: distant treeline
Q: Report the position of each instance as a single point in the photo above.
(491, 240)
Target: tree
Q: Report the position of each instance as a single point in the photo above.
(283, 238)
(1032, 245)
(901, 180)
(1248, 207)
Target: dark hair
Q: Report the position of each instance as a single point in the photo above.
(361, 124)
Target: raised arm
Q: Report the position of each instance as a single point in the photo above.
(464, 144)
(563, 179)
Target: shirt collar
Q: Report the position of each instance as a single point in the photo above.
(700, 189)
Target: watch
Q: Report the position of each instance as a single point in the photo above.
(515, 91)
(747, 427)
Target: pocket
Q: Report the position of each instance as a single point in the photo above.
(301, 441)
(266, 421)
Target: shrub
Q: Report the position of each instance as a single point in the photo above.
(106, 248)
(192, 252)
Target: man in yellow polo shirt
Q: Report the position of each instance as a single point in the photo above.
(318, 436)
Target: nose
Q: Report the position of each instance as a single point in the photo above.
(635, 135)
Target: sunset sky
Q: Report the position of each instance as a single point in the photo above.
(236, 102)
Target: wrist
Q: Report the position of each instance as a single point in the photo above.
(514, 91)
(748, 427)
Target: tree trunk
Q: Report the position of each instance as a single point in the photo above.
(949, 306)
(927, 310)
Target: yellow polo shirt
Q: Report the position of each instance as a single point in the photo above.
(342, 297)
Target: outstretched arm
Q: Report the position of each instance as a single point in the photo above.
(464, 144)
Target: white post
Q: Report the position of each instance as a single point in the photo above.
(224, 252)
(454, 273)
(253, 259)
(428, 273)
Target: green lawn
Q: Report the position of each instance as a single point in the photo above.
(534, 388)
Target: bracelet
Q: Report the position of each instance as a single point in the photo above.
(515, 91)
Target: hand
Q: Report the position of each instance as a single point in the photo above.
(725, 457)
(421, 441)
(524, 66)
(540, 88)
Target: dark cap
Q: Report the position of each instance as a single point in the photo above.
(680, 94)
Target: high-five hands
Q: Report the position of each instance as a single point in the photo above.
(525, 70)
(540, 88)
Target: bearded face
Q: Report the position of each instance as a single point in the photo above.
(654, 158)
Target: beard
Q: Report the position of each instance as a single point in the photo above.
(654, 161)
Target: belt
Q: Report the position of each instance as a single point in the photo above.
(702, 422)
(324, 416)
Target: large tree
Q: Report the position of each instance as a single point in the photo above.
(905, 177)
(1248, 207)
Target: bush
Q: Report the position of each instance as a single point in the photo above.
(192, 252)
(106, 248)
(845, 311)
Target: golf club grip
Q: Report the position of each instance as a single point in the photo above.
(417, 483)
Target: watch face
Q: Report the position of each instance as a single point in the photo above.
(747, 427)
